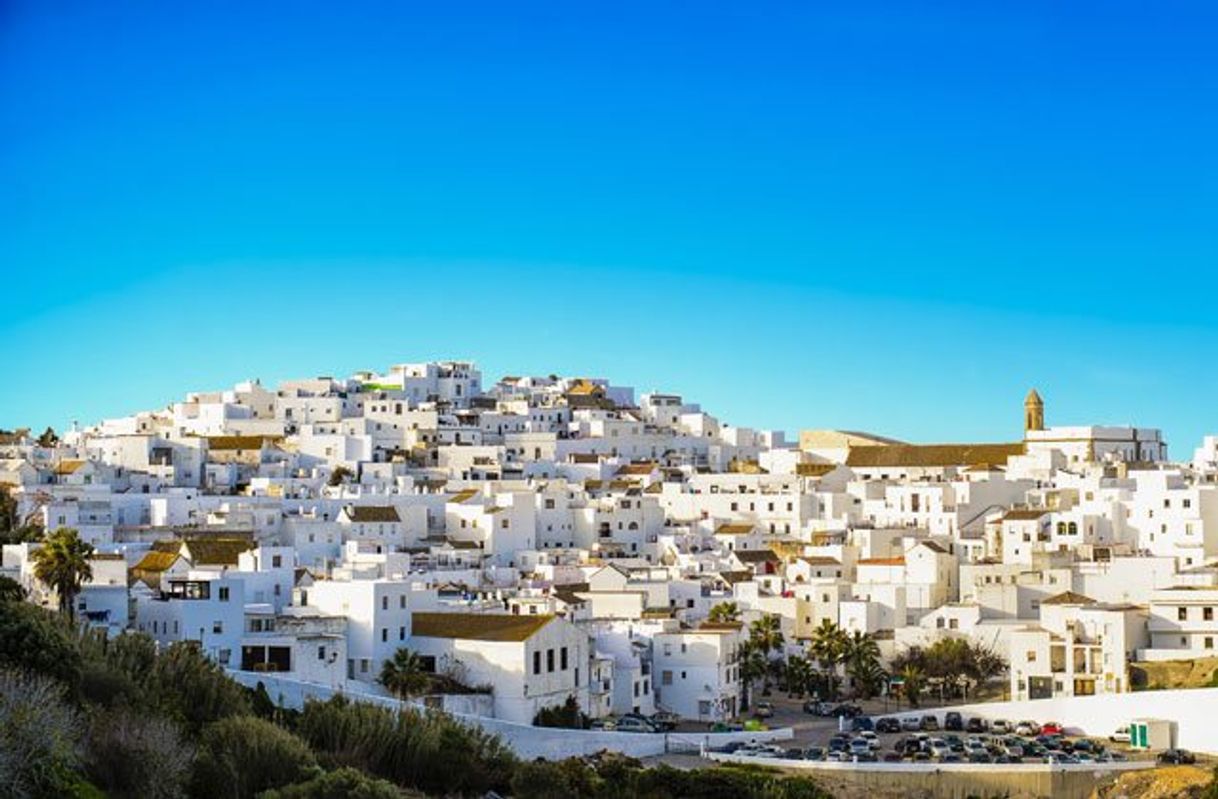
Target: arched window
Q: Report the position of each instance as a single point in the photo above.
(1061, 528)
(1073, 528)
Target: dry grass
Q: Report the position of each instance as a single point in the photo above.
(1171, 782)
(1198, 673)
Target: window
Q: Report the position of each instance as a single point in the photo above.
(563, 659)
(1181, 614)
(276, 560)
(321, 653)
(384, 603)
(401, 633)
(1209, 642)
(666, 678)
(217, 627)
(384, 634)
(549, 660)
(1031, 656)
(1207, 614)
(537, 662)
(223, 593)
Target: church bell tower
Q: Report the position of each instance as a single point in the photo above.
(1033, 412)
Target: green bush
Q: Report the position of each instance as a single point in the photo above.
(131, 755)
(38, 641)
(345, 783)
(39, 737)
(566, 715)
(431, 752)
(193, 690)
(242, 756)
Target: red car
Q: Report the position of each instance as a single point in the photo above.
(1051, 728)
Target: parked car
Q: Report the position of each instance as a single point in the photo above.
(1120, 735)
(814, 708)
(888, 724)
(911, 724)
(608, 725)
(664, 721)
(860, 723)
(1000, 726)
(635, 724)
(1029, 728)
(727, 726)
(1061, 759)
(929, 722)
(891, 757)
(1177, 757)
(814, 753)
(860, 746)
(953, 721)
(980, 756)
(763, 710)
(846, 709)
(975, 724)
(1051, 728)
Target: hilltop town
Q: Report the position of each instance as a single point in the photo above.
(551, 542)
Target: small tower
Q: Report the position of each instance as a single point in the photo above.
(1033, 412)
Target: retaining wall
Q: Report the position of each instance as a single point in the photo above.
(526, 741)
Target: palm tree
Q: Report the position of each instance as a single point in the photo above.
(861, 654)
(829, 647)
(403, 674)
(800, 675)
(724, 612)
(913, 680)
(62, 563)
(753, 666)
(766, 636)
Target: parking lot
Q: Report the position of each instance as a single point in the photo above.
(930, 735)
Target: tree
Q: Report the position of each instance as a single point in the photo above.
(48, 438)
(403, 675)
(130, 754)
(39, 736)
(913, 681)
(11, 590)
(39, 641)
(765, 635)
(753, 666)
(566, 715)
(723, 613)
(829, 648)
(343, 783)
(340, 475)
(241, 756)
(62, 562)
(14, 529)
(861, 655)
(192, 689)
(801, 675)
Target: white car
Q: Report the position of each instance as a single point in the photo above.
(938, 748)
(1027, 728)
(1120, 735)
(1000, 727)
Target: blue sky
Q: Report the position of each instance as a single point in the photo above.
(888, 216)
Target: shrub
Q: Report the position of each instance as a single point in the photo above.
(345, 783)
(39, 738)
(242, 756)
(430, 752)
(566, 715)
(134, 756)
(193, 690)
(38, 641)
